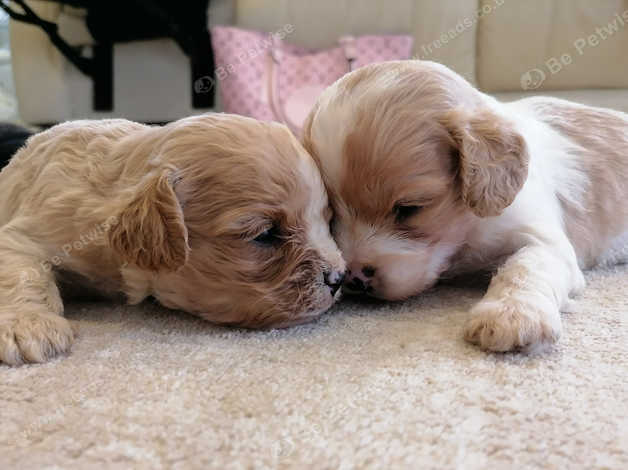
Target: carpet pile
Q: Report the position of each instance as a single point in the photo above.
(369, 385)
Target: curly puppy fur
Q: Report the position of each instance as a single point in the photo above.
(219, 215)
(429, 178)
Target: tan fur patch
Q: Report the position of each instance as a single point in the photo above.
(150, 232)
(493, 159)
(385, 166)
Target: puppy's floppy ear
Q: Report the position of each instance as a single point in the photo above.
(150, 232)
(493, 159)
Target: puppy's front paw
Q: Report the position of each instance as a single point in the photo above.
(33, 337)
(506, 325)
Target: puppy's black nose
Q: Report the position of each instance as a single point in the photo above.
(359, 279)
(358, 285)
(368, 271)
(334, 280)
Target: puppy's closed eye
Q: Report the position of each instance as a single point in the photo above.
(330, 216)
(269, 237)
(404, 212)
(332, 224)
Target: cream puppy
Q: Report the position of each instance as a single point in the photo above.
(429, 177)
(219, 215)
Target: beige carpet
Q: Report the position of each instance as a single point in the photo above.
(368, 386)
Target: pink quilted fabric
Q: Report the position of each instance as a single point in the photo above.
(244, 60)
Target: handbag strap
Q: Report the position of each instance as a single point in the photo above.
(348, 47)
(273, 69)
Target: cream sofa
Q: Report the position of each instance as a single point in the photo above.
(575, 49)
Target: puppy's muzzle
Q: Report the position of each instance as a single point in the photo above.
(334, 279)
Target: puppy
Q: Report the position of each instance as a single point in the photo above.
(219, 215)
(430, 178)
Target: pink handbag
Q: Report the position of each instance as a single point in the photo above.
(266, 78)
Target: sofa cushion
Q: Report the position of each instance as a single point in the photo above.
(609, 98)
(553, 44)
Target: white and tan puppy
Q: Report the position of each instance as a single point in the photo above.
(429, 177)
(219, 215)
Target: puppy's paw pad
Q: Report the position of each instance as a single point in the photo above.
(510, 325)
(33, 337)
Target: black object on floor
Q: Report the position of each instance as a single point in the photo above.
(114, 21)
(12, 137)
